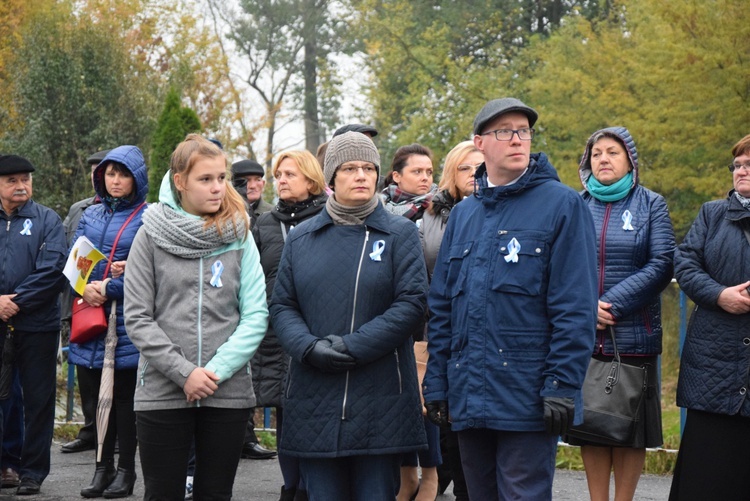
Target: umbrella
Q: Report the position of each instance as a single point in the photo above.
(106, 387)
(8, 360)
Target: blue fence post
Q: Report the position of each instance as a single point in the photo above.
(266, 418)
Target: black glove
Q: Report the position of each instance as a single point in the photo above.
(558, 414)
(437, 412)
(337, 343)
(325, 358)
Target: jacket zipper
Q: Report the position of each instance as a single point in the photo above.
(354, 316)
(602, 260)
(398, 371)
(200, 310)
(143, 373)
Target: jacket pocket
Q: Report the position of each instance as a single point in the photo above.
(521, 266)
(458, 259)
(143, 372)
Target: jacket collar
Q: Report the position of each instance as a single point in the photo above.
(26, 210)
(735, 210)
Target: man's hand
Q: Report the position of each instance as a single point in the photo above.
(558, 414)
(7, 307)
(200, 384)
(323, 356)
(92, 294)
(735, 299)
(437, 412)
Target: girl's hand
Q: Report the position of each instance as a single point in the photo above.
(200, 384)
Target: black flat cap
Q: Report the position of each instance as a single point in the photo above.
(97, 157)
(361, 128)
(247, 168)
(497, 107)
(13, 164)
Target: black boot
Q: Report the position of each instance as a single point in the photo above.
(287, 494)
(122, 485)
(103, 476)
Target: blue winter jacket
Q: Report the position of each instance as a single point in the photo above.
(715, 363)
(100, 223)
(33, 256)
(331, 280)
(505, 333)
(634, 258)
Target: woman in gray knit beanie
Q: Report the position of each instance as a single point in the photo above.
(349, 292)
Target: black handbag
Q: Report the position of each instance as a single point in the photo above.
(613, 394)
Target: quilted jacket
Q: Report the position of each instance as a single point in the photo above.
(715, 364)
(270, 363)
(505, 332)
(634, 259)
(100, 223)
(332, 280)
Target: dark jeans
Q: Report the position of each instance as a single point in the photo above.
(508, 464)
(89, 397)
(121, 416)
(12, 415)
(165, 436)
(36, 360)
(352, 478)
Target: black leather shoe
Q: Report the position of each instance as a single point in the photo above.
(28, 487)
(256, 451)
(78, 445)
(103, 477)
(122, 485)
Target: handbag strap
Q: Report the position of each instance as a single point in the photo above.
(117, 238)
(614, 342)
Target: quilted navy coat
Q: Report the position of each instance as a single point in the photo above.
(634, 259)
(715, 364)
(100, 223)
(331, 280)
(504, 334)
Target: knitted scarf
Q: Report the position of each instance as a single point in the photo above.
(744, 201)
(347, 215)
(184, 236)
(406, 204)
(610, 193)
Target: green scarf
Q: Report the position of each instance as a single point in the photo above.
(610, 193)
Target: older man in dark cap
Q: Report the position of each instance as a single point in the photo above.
(249, 180)
(514, 289)
(32, 264)
(367, 130)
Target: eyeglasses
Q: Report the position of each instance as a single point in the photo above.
(524, 134)
(468, 167)
(349, 170)
(737, 166)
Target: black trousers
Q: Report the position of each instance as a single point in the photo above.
(86, 385)
(165, 436)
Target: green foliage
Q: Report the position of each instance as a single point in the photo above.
(175, 122)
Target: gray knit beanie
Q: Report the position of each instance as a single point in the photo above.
(348, 147)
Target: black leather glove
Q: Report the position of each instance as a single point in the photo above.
(558, 414)
(325, 358)
(437, 412)
(337, 343)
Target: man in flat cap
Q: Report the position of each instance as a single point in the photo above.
(86, 439)
(249, 180)
(32, 263)
(367, 130)
(514, 302)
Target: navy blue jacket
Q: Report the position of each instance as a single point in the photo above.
(33, 257)
(634, 265)
(503, 334)
(328, 283)
(100, 223)
(715, 363)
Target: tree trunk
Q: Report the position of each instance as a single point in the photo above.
(310, 69)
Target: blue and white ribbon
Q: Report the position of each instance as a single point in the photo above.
(216, 270)
(377, 249)
(627, 218)
(513, 248)
(27, 227)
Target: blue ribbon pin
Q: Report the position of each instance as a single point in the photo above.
(627, 217)
(377, 249)
(27, 227)
(513, 248)
(216, 270)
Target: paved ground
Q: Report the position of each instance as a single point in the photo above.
(261, 480)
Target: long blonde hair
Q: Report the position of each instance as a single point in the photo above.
(182, 161)
(450, 168)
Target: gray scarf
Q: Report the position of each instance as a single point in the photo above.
(744, 201)
(346, 215)
(186, 237)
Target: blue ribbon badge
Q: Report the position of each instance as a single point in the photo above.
(26, 227)
(216, 270)
(377, 249)
(513, 248)
(627, 218)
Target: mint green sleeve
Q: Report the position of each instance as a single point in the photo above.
(239, 348)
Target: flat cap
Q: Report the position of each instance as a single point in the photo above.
(13, 164)
(247, 168)
(361, 128)
(498, 107)
(97, 157)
